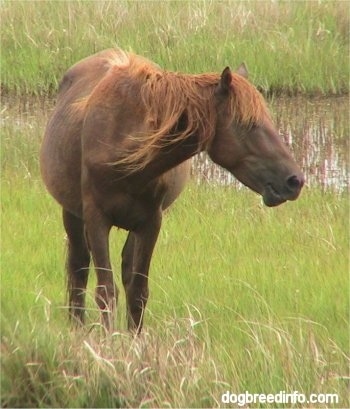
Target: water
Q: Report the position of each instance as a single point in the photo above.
(316, 131)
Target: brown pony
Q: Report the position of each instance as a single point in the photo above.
(116, 150)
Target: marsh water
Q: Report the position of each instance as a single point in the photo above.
(316, 130)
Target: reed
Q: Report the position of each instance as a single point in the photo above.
(290, 47)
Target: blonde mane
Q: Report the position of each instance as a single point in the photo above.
(170, 97)
(177, 106)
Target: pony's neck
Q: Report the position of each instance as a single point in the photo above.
(181, 110)
(169, 157)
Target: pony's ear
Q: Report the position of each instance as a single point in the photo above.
(224, 85)
(243, 70)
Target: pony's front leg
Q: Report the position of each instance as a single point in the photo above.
(97, 229)
(136, 285)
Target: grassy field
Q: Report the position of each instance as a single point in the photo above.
(289, 47)
(243, 298)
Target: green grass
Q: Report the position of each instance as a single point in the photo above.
(289, 47)
(242, 298)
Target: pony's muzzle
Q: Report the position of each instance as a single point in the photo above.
(294, 185)
(274, 195)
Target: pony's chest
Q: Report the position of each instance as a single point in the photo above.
(130, 210)
(128, 213)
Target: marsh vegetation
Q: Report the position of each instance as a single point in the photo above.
(242, 297)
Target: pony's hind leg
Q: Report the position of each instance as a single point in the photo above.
(78, 260)
(97, 229)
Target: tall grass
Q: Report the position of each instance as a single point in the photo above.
(288, 46)
(242, 298)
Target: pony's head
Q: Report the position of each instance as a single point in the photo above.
(248, 145)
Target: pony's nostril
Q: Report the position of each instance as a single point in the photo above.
(294, 182)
